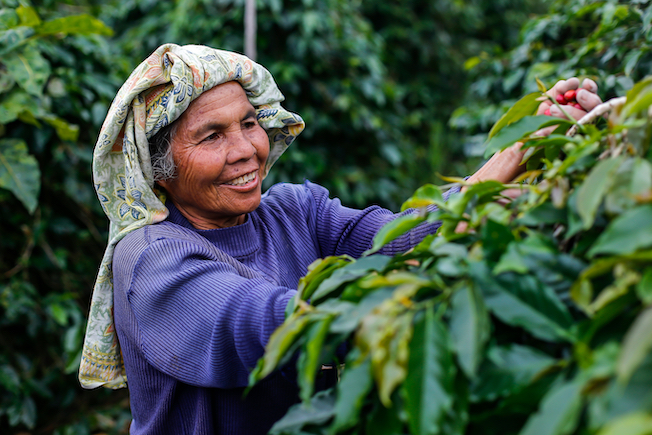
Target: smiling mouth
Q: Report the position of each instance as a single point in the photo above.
(242, 180)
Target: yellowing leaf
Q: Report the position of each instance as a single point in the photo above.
(28, 16)
(637, 423)
(76, 24)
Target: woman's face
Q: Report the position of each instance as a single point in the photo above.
(220, 151)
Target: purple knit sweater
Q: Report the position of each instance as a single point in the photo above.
(195, 308)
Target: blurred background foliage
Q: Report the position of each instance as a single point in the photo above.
(377, 83)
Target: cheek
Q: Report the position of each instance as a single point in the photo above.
(261, 142)
(200, 167)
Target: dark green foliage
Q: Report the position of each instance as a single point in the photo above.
(52, 228)
(532, 319)
(604, 40)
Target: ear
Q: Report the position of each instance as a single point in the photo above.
(165, 184)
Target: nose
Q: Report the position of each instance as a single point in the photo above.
(240, 146)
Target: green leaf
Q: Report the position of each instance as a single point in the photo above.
(310, 359)
(28, 412)
(19, 172)
(621, 238)
(636, 423)
(526, 106)
(73, 364)
(619, 400)
(9, 378)
(383, 421)
(320, 409)
(641, 180)
(495, 238)
(631, 60)
(518, 130)
(29, 69)
(559, 412)
(12, 38)
(428, 386)
(593, 189)
(423, 197)
(279, 344)
(546, 213)
(644, 287)
(6, 81)
(637, 343)
(16, 102)
(348, 273)
(470, 328)
(59, 314)
(508, 370)
(8, 19)
(525, 302)
(511, 260)
(355, 385)
(638, 98)
(76, 24)
(65, 131)
(395, 229)
(318, 271)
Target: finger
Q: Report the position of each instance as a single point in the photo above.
(543, 107)
(512, 193)
(545, 131)
(461, 227)
(572, 111)
(587, 99)
(564, 85)
(590, 85)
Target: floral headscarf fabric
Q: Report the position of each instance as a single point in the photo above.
(158, 91)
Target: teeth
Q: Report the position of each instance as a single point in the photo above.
(242, 180)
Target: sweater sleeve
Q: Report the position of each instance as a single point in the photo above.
(343, 230)
(199, 319)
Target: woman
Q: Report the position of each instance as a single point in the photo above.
(200, 264)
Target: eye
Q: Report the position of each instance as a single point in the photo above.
(212, 137)
(250, 124)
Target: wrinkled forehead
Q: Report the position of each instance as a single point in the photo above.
(221, 96)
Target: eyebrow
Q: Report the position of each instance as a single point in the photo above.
(211, 126)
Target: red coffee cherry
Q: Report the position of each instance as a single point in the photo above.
(560, 99)
(547, 112)
(578, 106)
(570, 95)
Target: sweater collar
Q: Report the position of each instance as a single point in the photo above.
(237, 241)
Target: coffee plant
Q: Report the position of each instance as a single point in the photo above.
(532, 318)
(55, 85)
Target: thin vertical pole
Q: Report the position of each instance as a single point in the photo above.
(250, 29)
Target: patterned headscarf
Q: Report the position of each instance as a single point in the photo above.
(158, 91)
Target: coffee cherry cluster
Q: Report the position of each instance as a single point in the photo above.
(568, 98)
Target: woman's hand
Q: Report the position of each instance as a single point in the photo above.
(506, 165)
(586, 97)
